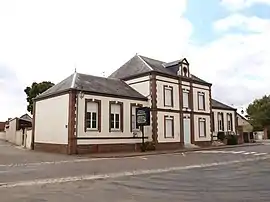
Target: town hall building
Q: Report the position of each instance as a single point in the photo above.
(89, 114)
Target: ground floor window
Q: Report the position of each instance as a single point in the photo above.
(168, 127)
(202, 127)
(116, 116)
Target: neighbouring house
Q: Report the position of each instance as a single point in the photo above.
(2, 131)
(17, 131)
(87, 114)
(223, 119)
(245, 129)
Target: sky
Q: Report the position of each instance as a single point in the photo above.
(225, 41)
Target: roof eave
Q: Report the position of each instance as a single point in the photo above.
(223, 108)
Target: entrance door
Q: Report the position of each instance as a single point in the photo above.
(187, 130)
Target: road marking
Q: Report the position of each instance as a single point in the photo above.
(238, 152)
(54, 162)
(246, 153)
(122, 174)
(231, 152)
(69, 161)
(260, 154)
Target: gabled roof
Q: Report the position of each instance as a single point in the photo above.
(93, 84)
(26, 117)
(219, 105)
(140, 64)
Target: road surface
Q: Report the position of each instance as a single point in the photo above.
(236, 174)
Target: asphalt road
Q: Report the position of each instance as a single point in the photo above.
(238, 174)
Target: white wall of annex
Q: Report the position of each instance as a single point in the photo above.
(105, 122)
(51, 120)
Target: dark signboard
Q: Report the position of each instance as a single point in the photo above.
(143, 116)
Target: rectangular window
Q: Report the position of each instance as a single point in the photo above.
(133, 118)
(229, 122)
(202, 127)
(220, 122)
(168, 96)
(185, 98)
(92, 110)
(201, 101)
(168, 127)
(115, 116)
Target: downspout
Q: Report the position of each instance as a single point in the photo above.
(76, 116)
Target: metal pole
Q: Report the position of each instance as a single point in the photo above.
(143, 146)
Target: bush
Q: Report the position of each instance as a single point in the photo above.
(232, 139)
(148, 146)
(221, 136)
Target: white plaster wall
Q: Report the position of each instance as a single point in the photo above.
(18, 137)
(195, 85)
(160, 93)
(166, 79)
(28, 139)
(3, 135)
(161, 137)
(196, 128)
(215, 111)
(51, 120)
(11, 131)
(198, 88)
(105, 122)
(142, 85)
(185, 83)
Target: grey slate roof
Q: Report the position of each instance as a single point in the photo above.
(141, 64)
(93, 84)
(219, 105)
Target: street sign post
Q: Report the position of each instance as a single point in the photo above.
(143, 119)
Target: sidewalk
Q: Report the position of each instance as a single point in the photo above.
(134, 154)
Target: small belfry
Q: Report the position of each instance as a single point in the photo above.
(184, 68)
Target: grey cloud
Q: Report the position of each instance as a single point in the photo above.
(238, 95)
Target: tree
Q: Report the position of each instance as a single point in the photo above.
(35, 90)
(259, 113)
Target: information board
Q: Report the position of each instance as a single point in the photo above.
(143, 116)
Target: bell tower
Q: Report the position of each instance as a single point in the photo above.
(184, 68)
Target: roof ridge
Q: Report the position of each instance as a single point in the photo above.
(73, 80)
(145, 62)
(151, 58)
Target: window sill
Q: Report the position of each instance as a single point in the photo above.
(169, 137)
(91, 130)
(116, 130)
(202, 136)
(201, 109)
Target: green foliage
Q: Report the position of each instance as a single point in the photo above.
(221, 136)
(259, 112)
(35, 90)
(232, 139)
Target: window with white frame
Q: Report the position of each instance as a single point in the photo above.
(201, 101)
(185, 98)
(115, 116)
(168, 127)
(229, 122)
(202, 127)
(168, 96)
(220, 122)
(134, 125)
(91, 115)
